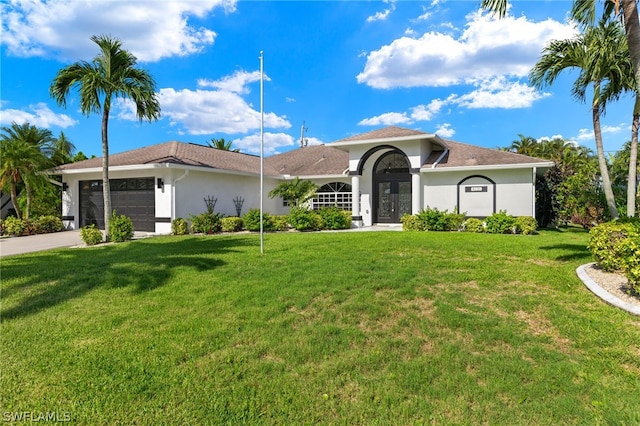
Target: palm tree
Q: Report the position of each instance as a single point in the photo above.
(112, 73)
(526, 145)
(62, 150)
(594, 53)
(22, 160)
(222, 145)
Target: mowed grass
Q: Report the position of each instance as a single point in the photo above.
(324, 328)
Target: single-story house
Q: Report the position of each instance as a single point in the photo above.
(378, 176)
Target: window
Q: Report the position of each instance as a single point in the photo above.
(336, 194)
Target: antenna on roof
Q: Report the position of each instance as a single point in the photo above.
(303, 141)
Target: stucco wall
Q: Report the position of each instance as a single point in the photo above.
(514, 191)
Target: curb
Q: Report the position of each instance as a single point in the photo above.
(603, 294)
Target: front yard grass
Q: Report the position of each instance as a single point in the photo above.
(325, 328)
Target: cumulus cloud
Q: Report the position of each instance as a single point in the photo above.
(498, 93)
(272, 143)
(589, 135)
(386, 119)
(39, 115)
(444, 130)
(236, 83)
(487, 48)
(149, 30)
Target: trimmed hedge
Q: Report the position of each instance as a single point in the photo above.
(91, 235)
(231, 224)
(498, 223)
(120, 228)
(179, 226)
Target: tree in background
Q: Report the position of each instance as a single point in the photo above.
(222, 144)
(23, 159)
(295, 192)
(112, 73)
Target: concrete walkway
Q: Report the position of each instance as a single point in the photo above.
(19, 245)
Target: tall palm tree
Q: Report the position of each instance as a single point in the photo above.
(526, 145)
(222, 145)
(62, 150)
(594, 53)
(112, 73)
(22, 160)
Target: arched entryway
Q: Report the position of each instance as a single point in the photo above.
(391, 187)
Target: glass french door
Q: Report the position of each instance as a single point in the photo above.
(393, 200)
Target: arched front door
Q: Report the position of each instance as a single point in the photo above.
(391, 187)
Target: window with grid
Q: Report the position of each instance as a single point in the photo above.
(336, 194)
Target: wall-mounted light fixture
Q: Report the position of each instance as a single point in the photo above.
(160, 183)
(65, 186)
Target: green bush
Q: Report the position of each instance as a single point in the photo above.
(607, 243)
(526, 225)
(501, 223)
(432, 219)
(179, 226)
(14, 226)
(411, 222)
(49, 223)
(629, 250)
(473, 224)
(302, 219)
(120, 228)
(335, 218)
(91, 235)
(453, 221)
(280, 223)
(206, 223)
(231, 224)
(251, 221)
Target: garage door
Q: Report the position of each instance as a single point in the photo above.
(134, 198)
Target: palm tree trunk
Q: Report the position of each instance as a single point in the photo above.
(602, 162)
(632, 30)
(633, 162)
(27, 210)
(14, 200)
(106, 190)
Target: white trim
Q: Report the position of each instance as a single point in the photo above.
(155, 166)
(486, 167)
(424, 136)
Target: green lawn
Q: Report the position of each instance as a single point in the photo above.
(324, 328)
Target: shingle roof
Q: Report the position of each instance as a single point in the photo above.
(384, 133)
(179, 153)
(312, 160)
(461, 154)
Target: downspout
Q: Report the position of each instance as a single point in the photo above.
(173, 194)
(445, 152)
(533, 204)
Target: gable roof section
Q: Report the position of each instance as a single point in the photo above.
(464, 155)
(315, 160)
(181, 153)
(390, 132)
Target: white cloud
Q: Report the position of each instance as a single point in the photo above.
(39, 115)
(201, 112)
(498, 93)
(382, 16)
(235, 83)
(487, 48)
(426, 112)
(386, 119)
(149, 30)
(444, 130)
(272, 143)
(589, 135)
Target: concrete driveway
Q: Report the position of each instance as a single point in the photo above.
(20, 245)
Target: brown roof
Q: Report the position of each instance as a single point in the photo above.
(384, 133)
(179, 153)
(461, 154)
(312, 160)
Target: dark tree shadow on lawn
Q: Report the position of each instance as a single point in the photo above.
(47, 279)
(571, 252)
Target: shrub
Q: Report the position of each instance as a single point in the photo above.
(302, 219)
(14, 226)
(607, 245)
(120, 228)
(411, 222)
(231, 224)
(179, 226)
(91, 235)
(432, 219)
(251, 221)
(629, 250)
(473, 224)
(280, 223)
(335, 218)
(49, 223)
(501, 223)
(206, 223)
(453, 221)
(526, 225)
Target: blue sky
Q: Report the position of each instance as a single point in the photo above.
(341, 67)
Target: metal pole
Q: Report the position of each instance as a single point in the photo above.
(261, 149)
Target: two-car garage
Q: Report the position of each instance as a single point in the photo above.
(134, 198)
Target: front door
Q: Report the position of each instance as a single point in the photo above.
(393, 200)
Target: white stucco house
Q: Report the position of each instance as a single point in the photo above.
(378, 176)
